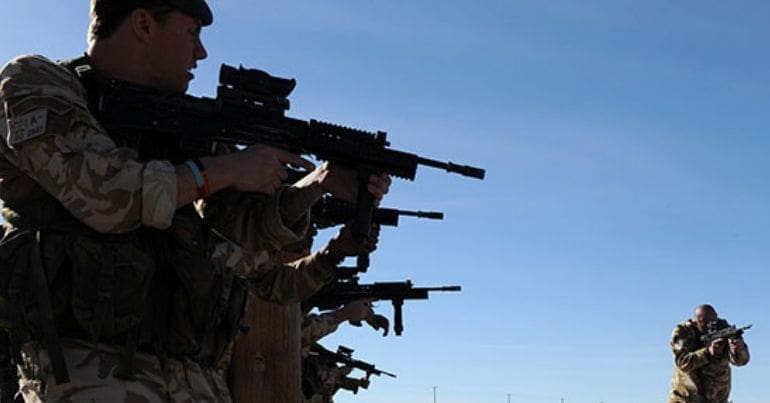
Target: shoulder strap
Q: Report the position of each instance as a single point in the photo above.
(82, 68)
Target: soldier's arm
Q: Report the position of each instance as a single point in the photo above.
(739, 355)
(267, 222)
(685, 357)
(300, 279)
(295, 282)
(252, 220)
(315, 327)
(49, 135)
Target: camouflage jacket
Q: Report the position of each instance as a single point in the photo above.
(317, 326)
(698, 376)
(53, 145)
(56, 160)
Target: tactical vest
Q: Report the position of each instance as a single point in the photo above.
(149, 289)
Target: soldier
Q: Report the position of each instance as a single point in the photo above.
(268, 357)
(271, 357)
(321, 378)
(143, 297)
(702, 372)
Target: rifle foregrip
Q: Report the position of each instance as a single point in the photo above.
(398, 319)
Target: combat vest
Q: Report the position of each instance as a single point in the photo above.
(149, 289)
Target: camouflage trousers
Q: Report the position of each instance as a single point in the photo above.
(93, 378)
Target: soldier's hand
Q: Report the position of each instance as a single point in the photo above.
(342, 182)
(736, 344)
(355, 311)
(378, 322)
(717, 347)
(341, 372)
(263, 169)
(343, 244)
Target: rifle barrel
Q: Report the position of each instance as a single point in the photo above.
(445, 288)
(433, 215)
(464, 170)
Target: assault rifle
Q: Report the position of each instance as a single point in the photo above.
(346, 290)
(714, 332)
(334, 211)
(344, 356)
(338, 211)
(250, 109)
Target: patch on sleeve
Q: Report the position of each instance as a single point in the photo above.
(27, 126)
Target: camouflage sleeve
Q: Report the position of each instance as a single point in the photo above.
(741, 357)
(294, 282)
(315, 327)
(50, 136)
(251, 220)
(687, 358)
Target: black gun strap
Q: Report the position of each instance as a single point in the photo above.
(14, 337)
(47, 321)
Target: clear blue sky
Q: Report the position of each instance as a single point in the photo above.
(626, 144)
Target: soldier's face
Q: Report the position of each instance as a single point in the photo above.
(174, 51)
(703, 317)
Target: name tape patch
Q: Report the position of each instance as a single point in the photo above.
(26, 127)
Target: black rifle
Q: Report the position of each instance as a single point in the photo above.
(344, 356)
(249, 109)
(347, 289)
(720, 330)
(333, 211)
(337, 211)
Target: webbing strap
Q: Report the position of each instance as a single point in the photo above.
(48, 324)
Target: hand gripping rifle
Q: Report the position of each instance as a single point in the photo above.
(352, 384)
(346, 290)
(714, 332)
(250, 109)
(344, 356)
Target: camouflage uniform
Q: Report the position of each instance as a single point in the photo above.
(322, 378)
(319, 378)
(317, 326)
(56, 160)
(285, 284)
(698, 376)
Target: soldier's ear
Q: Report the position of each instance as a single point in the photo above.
(142, 24)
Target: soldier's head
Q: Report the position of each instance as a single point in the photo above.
(107, 15)
(151, 42)
(704, 314)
